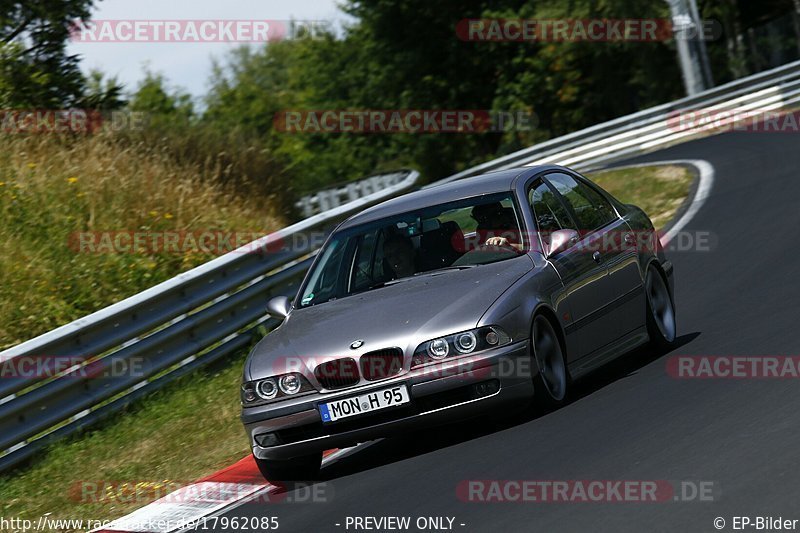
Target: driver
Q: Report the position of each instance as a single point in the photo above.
(398, 251)
(495, 228)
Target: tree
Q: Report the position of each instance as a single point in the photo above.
(102, 94)
(35, 69)
(154, 97)
(406, 55)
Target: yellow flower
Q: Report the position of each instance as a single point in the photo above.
(153, 213)
(31, 165)
(2, 183)
(167, 215)
(72, 180)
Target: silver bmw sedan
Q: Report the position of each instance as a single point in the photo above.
(450, 301)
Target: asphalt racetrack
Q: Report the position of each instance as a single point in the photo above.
(632, 421)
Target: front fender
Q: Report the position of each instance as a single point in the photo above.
(513, 310)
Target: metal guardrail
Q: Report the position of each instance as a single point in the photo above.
(159, 334)
(335, 196)
(215, 309)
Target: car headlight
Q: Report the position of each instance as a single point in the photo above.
(438, 349)
(266, 389)
(466, 342)
(290, 384)
(463, 343)
(274, 388)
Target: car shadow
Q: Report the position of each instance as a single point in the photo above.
(625, 366)
(398, 448)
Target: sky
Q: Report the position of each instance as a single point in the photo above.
(185, 64)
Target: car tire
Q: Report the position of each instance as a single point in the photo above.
(661, 323)
(551, 382)
(304, 468)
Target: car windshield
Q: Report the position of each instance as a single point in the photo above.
(452, 236)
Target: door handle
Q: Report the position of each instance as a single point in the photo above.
(597, 257)
(628, 238)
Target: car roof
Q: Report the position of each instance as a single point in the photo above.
(489, 183)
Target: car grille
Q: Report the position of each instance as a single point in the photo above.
(338, 373)
(381, 364)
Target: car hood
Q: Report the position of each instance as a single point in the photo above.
(400, 315)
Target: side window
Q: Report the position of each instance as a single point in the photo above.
(548, 210)
(591, 209)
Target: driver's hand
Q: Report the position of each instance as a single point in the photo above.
(497, 241)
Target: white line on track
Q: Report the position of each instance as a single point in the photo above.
(705, 183)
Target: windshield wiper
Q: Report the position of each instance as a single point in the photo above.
(385, 284)
(444, 269)
(381, 284)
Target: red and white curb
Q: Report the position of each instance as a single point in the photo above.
(237, 483)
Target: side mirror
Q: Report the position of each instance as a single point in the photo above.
(561, 240)
(279, 307)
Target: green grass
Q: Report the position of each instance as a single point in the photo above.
(658, 190)
(191, 428)
(53, 188)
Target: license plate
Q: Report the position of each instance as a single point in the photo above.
(366, 403)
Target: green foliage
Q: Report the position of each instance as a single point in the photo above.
(577, 84)
(156, 99)
(396, 55)
(102, 94)
(35, 70)
(406, 55)
(224, 152)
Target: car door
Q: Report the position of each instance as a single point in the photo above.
(584, 279)
(623, 269)
(613, 248)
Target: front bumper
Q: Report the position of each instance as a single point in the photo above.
(443, 392)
